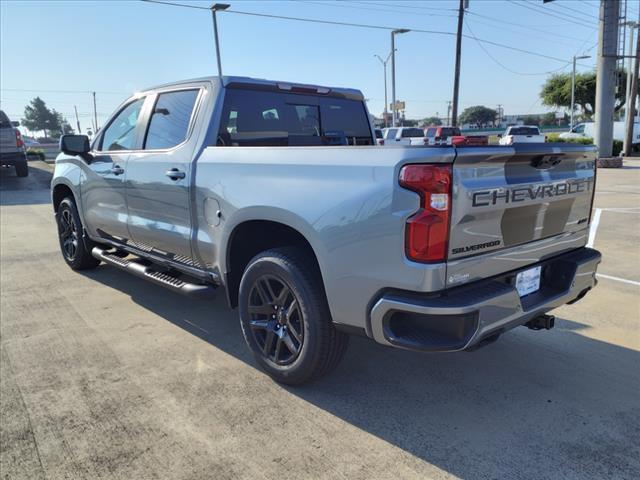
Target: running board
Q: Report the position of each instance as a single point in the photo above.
(193, 290)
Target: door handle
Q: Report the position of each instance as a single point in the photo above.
(175, 174)
(117, 170)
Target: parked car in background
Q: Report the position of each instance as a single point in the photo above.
(379, 136)
(587, 130)
(12, 151)
(404, 136)
(452, 136)
(521, 134)
(30, 142)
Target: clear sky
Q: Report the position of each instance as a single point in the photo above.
(118, 47)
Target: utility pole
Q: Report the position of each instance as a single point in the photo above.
(499, 114)
(384, 64)
(456, 77)
(214, 8)
(77, 120)
(95, 113)
(573, 87)
(606, 75)
(631, 105)
(449, 112)
(632, 25)
(394, 111)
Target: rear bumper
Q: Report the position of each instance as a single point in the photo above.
(11, 158)
(461, 318)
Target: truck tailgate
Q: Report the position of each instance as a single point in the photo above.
(515, 206)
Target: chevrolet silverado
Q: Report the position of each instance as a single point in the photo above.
(276, 195)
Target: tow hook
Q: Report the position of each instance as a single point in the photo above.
(542, 322)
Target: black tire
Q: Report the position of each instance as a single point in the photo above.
(302, 321)
(22, 169)
(75, 249)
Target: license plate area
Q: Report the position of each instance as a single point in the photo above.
(528, 281)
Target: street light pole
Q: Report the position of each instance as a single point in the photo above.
(573, 87)
(394, 114)
(384, 64)
(214, 8)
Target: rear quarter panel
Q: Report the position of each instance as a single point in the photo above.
(344, 200)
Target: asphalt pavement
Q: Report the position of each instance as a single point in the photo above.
(104, 376)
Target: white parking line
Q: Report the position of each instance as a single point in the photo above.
(618, 279)
(594, 227)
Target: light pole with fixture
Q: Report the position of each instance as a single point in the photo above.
(384, 64)
(573, 87)
(215, 8)
(394, 113)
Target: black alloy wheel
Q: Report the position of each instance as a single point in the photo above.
(275, 319)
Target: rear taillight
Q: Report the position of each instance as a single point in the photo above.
(19, 142)
(427, 231)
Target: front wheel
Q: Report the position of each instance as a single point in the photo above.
(285, 317)
(76, 251)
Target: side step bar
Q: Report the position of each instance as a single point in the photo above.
(193, 290)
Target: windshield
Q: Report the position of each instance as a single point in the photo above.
(524, 131)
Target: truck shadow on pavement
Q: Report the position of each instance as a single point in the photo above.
(552, 404)
(31, 190)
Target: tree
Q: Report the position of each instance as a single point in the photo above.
(38, 117)
(556, 92)
(478, 115)
(532, 120)
(432, 122)
(548, 119)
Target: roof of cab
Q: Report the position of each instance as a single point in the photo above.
(260, 83)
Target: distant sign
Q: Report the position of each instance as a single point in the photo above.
(559, 115)
(399, 106)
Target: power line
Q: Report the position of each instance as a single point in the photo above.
(361, 25)
(542, 11)
(336, 4)
(530, 27)
(176, 4)
(589, 16)
(397, 5)
(504, 66)
(380, 27)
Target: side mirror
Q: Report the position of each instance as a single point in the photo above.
(74, 144)
(499, 135)
(15, 124)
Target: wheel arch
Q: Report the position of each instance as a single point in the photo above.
(59, 192)
(251, 237)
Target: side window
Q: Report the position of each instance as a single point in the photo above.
(170, 119)
(579, 129)
(391, 133)
(121, 132)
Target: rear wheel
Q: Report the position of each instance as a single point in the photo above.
(285, 317)
(22, 169)
(76, 250)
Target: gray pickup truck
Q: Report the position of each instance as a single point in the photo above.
(12, 152)
(277, 195)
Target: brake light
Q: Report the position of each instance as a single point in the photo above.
(427, 231)
(19, 142)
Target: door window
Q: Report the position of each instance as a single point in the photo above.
(121, 132)
(169, 124)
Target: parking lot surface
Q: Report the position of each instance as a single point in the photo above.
(106, 376)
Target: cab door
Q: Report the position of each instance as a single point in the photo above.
(158, 175)
(103, 193)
